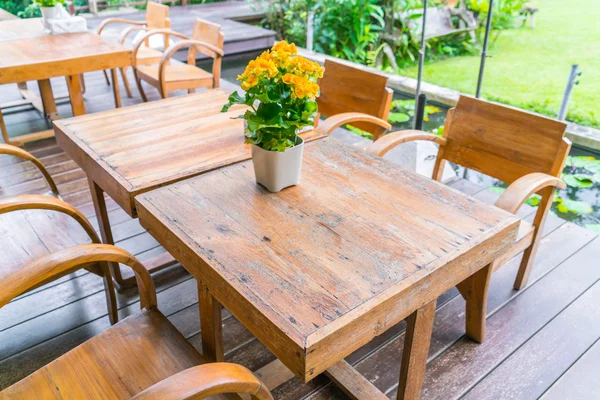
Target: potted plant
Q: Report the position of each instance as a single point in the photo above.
(50, 8)
(281, 92)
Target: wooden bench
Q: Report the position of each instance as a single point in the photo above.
(439, 22)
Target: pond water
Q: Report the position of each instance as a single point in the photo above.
(579, 203)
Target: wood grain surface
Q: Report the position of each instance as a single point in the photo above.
(318, 270)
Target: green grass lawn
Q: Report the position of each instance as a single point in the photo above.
(529, 68)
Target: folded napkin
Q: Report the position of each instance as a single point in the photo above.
(63, 22)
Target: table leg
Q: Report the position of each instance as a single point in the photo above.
(104, 225)
(116, 91)
(211, 327)
(416, 351)
(474, 289)
(74, 86)
(48, 101)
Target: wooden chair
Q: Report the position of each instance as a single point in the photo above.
(53, 225)
(3, 129)
(526, 151)
(142, 357)
(352, 96)
(157, 17)
(207, 38)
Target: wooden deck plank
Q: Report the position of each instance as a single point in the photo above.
(460, 367)
(538, 363)
(581, 379)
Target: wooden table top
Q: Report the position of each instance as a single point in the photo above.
(318, 270)
(16, 29)
(28, 54)
(131, 150)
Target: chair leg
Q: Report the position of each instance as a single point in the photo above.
(126, 83)
(3, 129)
(190, 91)
(106, 77)
(475, 291)
(526, 266)
(138, 82)
(547, 195)
(82, 79)
(111, 295)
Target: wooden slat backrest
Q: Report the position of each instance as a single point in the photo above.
(208, 32)
(348, 89)
(503, 142)
(157, 16)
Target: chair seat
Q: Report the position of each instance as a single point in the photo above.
(124, 360)
(189, 76)
(28, 235)
(147, 55)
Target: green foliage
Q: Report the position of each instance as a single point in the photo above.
(505, 15)
(274, 123)
(359, 132)
(21, 8)
(403, 110)
(572, 206)
(581, 181)
(48, 3)
(347, 29)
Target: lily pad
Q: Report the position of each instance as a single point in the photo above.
(572, 206)
(398, 117)
(578, 180)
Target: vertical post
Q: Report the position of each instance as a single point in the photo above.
(420, 111)
(564, 106)
(309, 29)
(421, 58)
(488, 26)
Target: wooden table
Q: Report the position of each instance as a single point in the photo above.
(28, 53)
(132, 150)
(318, 270)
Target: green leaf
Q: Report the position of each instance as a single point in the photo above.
(593, 227)
(398, 117)
(234, 98)
(578, 180)
(572, 206)
(533, 200)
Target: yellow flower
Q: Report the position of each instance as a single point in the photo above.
(250, 82)
(288, 79)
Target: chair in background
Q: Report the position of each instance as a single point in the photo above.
(157, 17)
(32, 225)
(170, 74)
(142, 357)
(349, 95)
(526, 151)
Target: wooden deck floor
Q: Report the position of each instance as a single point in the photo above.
(542, 341)
(239, 36)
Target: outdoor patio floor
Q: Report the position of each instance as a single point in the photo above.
(541, 341)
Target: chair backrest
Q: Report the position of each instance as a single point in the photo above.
(503, 142)
(157, 16)
(349, 89)
(208, 32)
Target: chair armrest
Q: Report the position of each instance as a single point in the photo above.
(381, 146)
(127, 31)
(520, 190)
(163, 32)
(335, 121)
(189, 43)
(68, 260)
(109, 21)
(18, 152)
(207, 380)
(40, 202)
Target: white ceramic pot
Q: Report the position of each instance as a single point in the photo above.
(50, 12)
(277, 170)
